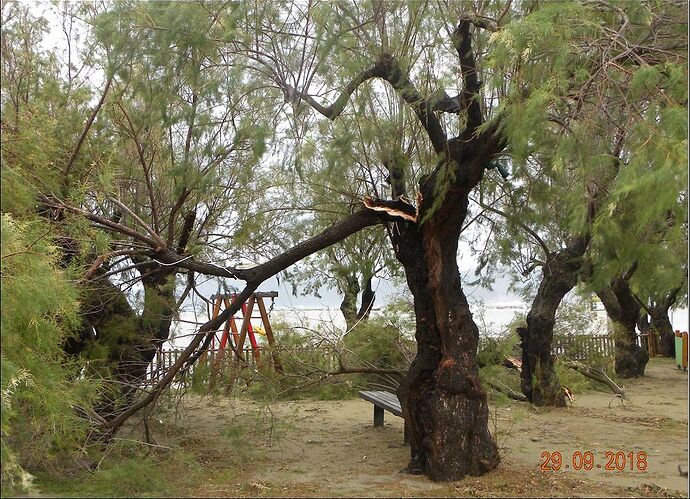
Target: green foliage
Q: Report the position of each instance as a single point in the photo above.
(40, 386)
(307, 358)
(501, 377)
(200, 378)
(377, 343)
(577, 383)
(590, 129)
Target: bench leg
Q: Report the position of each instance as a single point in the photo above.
(378, 416)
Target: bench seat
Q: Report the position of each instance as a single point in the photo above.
(383, 401)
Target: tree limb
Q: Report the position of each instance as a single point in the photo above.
(346, 227)
(500, 387)
(114, 226)
(254, 277)
(595, 374)
(462, 41)
(138, 219)
(389, 69)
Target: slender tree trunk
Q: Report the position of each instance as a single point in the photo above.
(443, 403)
(624, 312)
(560, 274)
(348, 306)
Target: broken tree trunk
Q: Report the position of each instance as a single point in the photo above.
(444, 405)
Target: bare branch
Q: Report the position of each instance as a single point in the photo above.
(153, 233)
(525, 227)
(85, 132)
(389, 69)
(114, 226)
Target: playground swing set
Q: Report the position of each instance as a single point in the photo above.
(233, 338)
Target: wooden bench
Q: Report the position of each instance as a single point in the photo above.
(384, 401)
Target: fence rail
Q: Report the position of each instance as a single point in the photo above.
(577, 347)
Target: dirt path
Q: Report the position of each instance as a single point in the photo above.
(318, 448)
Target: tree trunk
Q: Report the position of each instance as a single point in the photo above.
(560, 273)
(368, 299)
(624, 312)
(539, 382)
(631, 358)
(124, 342)
(443, 403)
(348, 306)
(661, 324)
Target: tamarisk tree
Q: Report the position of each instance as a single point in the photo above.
(574, 161)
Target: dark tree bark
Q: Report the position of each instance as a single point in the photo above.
(443, 403)
(348, 306)
(624, 311)
(560, 275)
(661, 324)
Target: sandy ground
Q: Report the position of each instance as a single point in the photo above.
(330, 448)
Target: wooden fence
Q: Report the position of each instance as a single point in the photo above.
(583, 346)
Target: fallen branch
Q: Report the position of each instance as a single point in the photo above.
(595, 374)
(253, 277)
(157, 446)
(500, 387)
(366, 370)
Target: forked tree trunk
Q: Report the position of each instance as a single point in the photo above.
(539, 382)
(623, 310)
(348, 306)
(443, 403)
